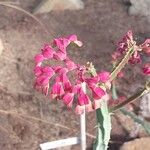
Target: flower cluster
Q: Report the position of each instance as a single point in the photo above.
(63, 89)
(127, 44)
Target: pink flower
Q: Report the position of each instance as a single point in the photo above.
(62, 43)
(83, 99)
(62, 87)
(70, 64)
(38, 58)
(146, 46)
(136, 58)
(47, 51)
(104, 76)
(48, 71)
(42, 80)
(59, 55)
(43, 74)
(125, 42)
(68, 99)
(60, 70)
(37, 70)
(65, 81)
(57, 90)
(146, 69)
(73, 38)
(97, 92)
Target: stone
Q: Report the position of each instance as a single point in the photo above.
(139, 7)
(137, 144)
(48, 5)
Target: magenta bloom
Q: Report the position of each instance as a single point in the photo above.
(47, 51)
(57, 90)
(136, 58)
(38, 59)
(68, 99)
(146, 46)
(146, 69)
(125, 42)
(104, 76)
(69, 92)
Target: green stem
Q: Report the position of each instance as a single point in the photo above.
(113, 89)
(123, 62)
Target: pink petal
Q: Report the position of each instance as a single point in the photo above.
(104, 76)
(146, 46)
(60, 56)
(58, 42)
(38, 58)
(146, 69)
(72, 38)
(47, 51)
(70, 64)
(136, 58)
(48, 71)
(65, 80)
(79, 109)
(57, 90)
(92, 81)
(37, 70)
(97, 92)
(83, 99)
(61, 70)
(42, 80)
(68, 99)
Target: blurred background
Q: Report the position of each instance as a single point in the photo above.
(27, 118)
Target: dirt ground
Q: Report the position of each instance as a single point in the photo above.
(27, 118)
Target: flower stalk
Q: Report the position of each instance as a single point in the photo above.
(132, 98)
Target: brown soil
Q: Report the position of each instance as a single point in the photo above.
(27, 118)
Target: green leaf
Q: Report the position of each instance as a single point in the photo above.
(103, 128)
(142, 122)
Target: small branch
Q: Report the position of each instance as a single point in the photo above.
(129, 100)
(25, 12)
(121, 65)
(33, 118)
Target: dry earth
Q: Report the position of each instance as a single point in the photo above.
(98, 25)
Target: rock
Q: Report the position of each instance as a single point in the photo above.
(145, 105)
(1, 46)
(48, 5)
(139, 7)
(137, 144)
